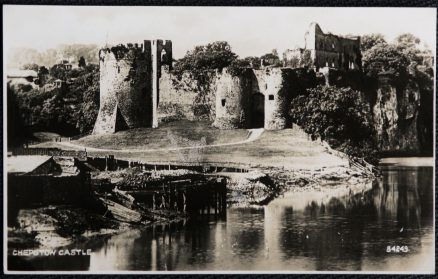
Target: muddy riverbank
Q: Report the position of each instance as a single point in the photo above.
(132, 197)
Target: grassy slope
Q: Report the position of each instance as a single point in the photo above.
(148, 138)
(289, 148)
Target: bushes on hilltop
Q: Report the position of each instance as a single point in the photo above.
(338, 116)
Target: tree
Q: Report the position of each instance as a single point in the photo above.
(271, 59)
(339, 116)
(407, 39)
(43, 73)
(213, 56)
(408, 44)
(17, 132)
(82, 63)
(382, 57)
(58, 72)
(250, 61)
(368, 41)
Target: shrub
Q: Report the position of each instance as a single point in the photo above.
(338, 116)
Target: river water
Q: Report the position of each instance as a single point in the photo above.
(301, 231)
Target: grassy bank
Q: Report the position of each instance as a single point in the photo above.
(168, 135)
(290, 148)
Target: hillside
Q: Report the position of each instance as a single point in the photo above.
(182, 142)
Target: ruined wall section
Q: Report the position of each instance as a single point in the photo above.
(232, 99)
(236, 96)
(125, 89)
(332, 51)
(395, 114)
(276, 85)
(177, 97)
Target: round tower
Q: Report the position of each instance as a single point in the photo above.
(125, 88)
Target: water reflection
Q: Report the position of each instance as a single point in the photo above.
(347, 229)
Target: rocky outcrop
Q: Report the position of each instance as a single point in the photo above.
(396, 114)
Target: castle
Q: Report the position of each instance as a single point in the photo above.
(325, 51)
(131, 77)
(129, 85)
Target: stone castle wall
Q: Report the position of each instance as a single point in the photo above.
(129, 85)
(232, 100)
(255, 98)
(333, 51)
(125, 89)
(176, 97)
(325, 50)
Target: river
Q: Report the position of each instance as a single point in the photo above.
(300, 231)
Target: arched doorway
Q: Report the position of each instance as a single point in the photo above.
(257, 111)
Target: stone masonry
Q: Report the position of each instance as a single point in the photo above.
(129, 90)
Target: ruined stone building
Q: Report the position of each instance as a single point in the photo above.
(129, 85)
(131, 77)
(254, 99)
(325, 50)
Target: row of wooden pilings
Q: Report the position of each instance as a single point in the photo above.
(192, 198)
(109, 163)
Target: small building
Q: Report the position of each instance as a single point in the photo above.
(45, 180)
(59, 83)
(22, 77)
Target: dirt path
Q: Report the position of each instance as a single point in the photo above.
(253, 134)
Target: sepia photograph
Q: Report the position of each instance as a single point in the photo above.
(164, 139)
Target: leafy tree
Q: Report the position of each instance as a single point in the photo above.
(407, 39)
(43, 73)
(82, 62)
(408, 44)
(68, 110)
(402, 56)
(213, 56)
(368, 41)
(382, 57)
(17, 133)
(271, 59)
(58, 72)
(248, 62)
(86, 86)
(338, 116)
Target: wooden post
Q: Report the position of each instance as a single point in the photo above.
(215, 202)
(184, 202)
(153, 201)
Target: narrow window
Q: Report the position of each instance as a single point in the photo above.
(271, 97)
(223, 102)
(118, 69)
(266, 86)
(333, 64)
(333, 46)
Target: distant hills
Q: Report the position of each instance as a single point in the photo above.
(18, 57)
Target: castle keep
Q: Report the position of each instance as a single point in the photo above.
(129, 85)
(325, 51)
(131, 77)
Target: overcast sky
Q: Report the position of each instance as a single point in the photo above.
(250, 31)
